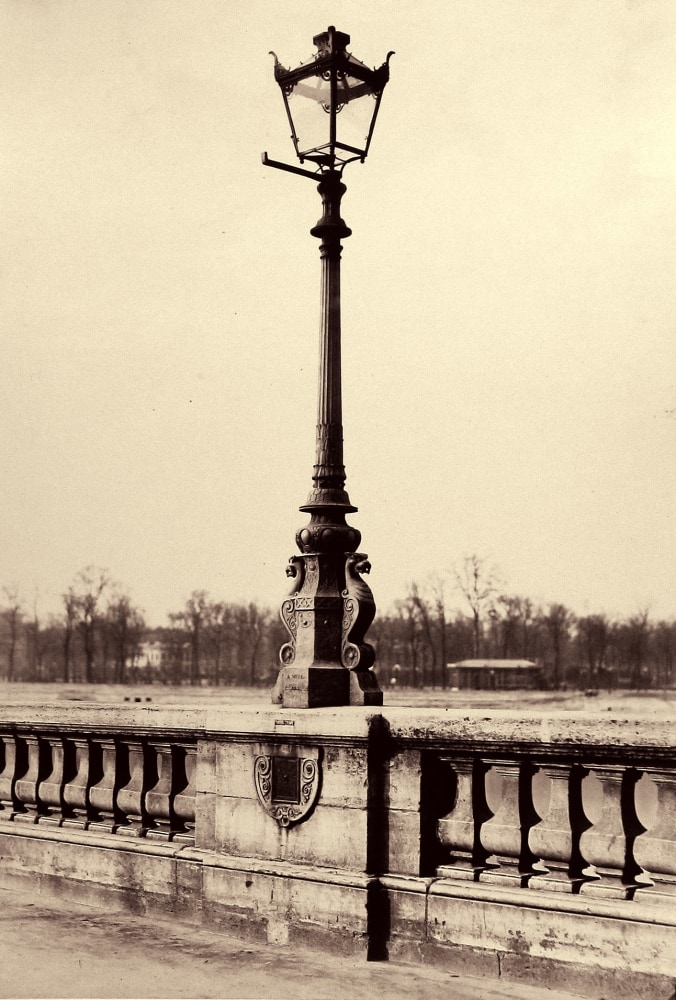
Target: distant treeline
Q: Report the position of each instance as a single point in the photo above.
(101, 637)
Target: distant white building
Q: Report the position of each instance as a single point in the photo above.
(148, 657)
(495, 675)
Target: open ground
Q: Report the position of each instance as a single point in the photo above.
(648, 703)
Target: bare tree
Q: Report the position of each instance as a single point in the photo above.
(13, 615)
(88, 586)
(255, 622)
(220, 626)
(529, 625)
(665, 651)
(409, 625)
(438, 588)
(124, 626)
(637, 634)
(422, 609)
(194, 619)
(595, 633)
(429, 605)
(508, 616)
(557, 622)
(478, 584)
(35, 642)
(70, 618)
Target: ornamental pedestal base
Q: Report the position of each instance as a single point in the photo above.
(327, 662)
(326, 687)
(364, 688)
(313, 687)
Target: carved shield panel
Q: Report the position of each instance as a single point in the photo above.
(287, 784)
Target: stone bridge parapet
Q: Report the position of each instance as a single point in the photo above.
(541, 848)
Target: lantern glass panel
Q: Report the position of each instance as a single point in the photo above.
(353, 123)
(311, 108)
(307, 104)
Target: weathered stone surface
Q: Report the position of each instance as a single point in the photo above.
(279, 906)
(343, 724)
(125, 869)
(556, 730)
(332, 837)
(403, 780)
(241, 826)
(605, 936)
(105, 718)
(403, 840)
(205, 820)
(345, 779)
(206, 777)
(234, 769)
(407, 908)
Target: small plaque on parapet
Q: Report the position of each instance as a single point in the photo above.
(285, 780)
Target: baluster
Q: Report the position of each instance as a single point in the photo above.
(458, 831)
(26, 787)
(636, 819)
(184, 800)
(555, 840)
(604, 844)
(504, 835)
(87, 772)
(158, 803)
(15, 762)
(655, 850)
(500, 833)
(50, 789)
(105, 816)
(131, 796)
(4, 740)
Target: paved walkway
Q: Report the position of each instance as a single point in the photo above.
(55, 951)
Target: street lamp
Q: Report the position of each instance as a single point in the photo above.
(332, 102)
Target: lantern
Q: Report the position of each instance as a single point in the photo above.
(332, 102)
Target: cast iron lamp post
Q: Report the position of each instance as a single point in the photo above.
(332, 103)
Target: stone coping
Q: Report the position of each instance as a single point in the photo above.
(413, 726)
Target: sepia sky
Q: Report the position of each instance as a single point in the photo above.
(509, 298)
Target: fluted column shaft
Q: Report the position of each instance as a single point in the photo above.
(329, 470)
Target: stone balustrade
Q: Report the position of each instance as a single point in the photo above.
(582, 805)
(597, 828)
(493, 843)
(120, 785)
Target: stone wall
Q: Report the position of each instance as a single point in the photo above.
(538, 849)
